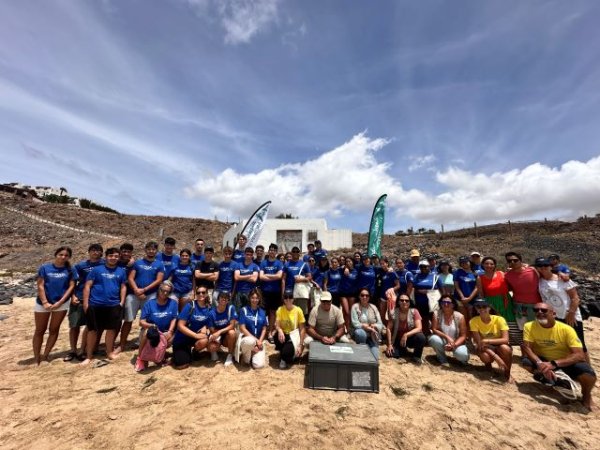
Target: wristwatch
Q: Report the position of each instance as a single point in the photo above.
(554, 364)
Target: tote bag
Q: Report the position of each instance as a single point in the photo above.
(433, 296)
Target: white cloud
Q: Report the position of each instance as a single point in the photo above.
(348, 180)
(421, 161)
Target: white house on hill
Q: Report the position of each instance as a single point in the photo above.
(287, 233)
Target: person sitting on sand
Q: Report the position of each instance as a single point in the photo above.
(103, 299)
(554, 354)
(366, 322)
(160, 313)
(490, 337)
(55, 284)
(449, 329)
(325, 323)
(223, 320)
(289, 325)
(253, 328)
(192, 329)
(405, 330)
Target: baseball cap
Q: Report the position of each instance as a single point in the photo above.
(414, 252)
(325, 296)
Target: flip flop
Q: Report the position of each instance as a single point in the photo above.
(100, 363)
(70, 357)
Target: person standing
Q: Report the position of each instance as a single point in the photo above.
(198, 255)
(296, 271)
(206, 272)
(224, 281)
(182, 278)
(245, 277)
(169, 259)
(238, 254)
(271, 274)
(320, 252)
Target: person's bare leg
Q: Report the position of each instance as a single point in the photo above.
(84, 341)
(41, 324)
(110, 344)
(505, 353)
(91, 341)
(230, 339)
(125, 329)
(56, 319)
(73, 338)
(587, 382)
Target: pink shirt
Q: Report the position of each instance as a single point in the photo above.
(524, 285)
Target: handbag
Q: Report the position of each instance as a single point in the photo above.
(433, 296)
(302, 288)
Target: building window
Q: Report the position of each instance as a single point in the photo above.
(312, 235)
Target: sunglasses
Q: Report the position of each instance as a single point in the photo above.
(446, 303)
(201, 292)
(540, 310)
(166, 291)
(403, 300)
(512, 260)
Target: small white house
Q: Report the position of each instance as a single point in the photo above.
(287, 233)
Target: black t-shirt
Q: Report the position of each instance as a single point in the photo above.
(206, 267)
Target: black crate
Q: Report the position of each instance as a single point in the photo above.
(342, 367)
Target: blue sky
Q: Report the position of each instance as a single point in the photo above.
(460, 111)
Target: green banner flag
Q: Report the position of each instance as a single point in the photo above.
(376, 229)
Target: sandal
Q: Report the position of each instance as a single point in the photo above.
(70, 357)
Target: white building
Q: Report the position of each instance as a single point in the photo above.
(287, 233)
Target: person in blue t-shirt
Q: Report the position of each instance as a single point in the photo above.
(181, 277)
(103, 300)
(559, 268)
(271, 274)
(225, 279)
(405, 277)
(475, 260)
(161, 313)
(319, 252)
(145, 277)
(238, 254)
(55, 284)
(245, 277)
(222, 322)
(310, 252)
(333, 281)
(253, 327)
(296, 271)
(389, 280)
(169, 259)
(412, 265)
(465, 285)
(198, 255)
(192, 329)
(425, 281)
(366, 275)
(76, 315)
(348, 289)
(320, 274)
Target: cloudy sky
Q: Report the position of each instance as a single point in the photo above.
(460, 111)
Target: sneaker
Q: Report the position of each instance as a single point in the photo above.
(229, 360)
(445, 364)
(282, 364)
(345, 339)
(418, 361)
(214, 356)
(140, 365)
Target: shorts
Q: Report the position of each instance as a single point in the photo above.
(132, 305)
(272, 300)
(302, 303)
(182, 355)
(40, 309)
(348, 294)
(574, 370)
(103, 318)
(76, 316)
(579, 330)
(179, 295)
(335, 299)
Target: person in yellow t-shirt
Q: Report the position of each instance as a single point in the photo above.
(289, 320)
(550, 345)
(490, 337)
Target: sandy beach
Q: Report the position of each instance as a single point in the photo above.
(60, 405)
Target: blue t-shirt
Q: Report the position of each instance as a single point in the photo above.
(467, 282)
(254, 319)
(182, 279)
(146, 273)
(56, 281)
(366, 278)
(196, 318)
(563, 268)
(348, 283)
(83, 269)
(405, 277)
(319, 276)
(421, 281)
(245, 286)
(306, 257)
(160, 315)
(169, 261)
(271, 268)
(106, 287)
(291, 269)
(334, 279)
(388, 280)
(225, 281)
(238, 256)
(220, 320)
(412, 267)
(478, 269)
(127, 267)
(319, 254)
(195, 259)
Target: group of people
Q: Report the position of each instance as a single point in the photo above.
(191, 303)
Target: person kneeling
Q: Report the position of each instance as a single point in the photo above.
(157, 321)
(222, 323)
(449, 332)
(325, 323)
(289, 323)
(253, 330)
(490, 336)
(405, 330)
(192, 329)
(554, 354)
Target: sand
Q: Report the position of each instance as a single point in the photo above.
(60, 405)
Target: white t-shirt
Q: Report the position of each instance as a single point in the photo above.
(554, 292)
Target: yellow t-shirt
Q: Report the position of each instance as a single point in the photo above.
(492, 330)
(289, 319)
(551, 343)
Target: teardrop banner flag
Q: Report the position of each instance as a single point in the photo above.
(255, 224)
(376, 229)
